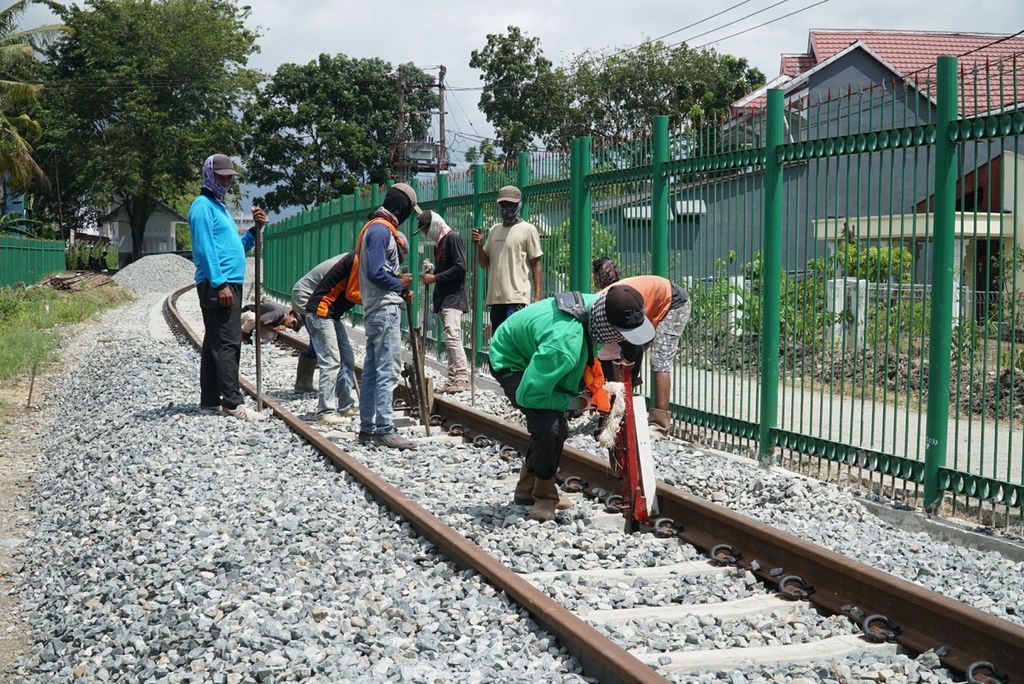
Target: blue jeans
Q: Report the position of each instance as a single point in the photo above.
(381, 369)
(336, 361)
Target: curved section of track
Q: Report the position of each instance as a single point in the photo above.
(600, 657)
(925, 620)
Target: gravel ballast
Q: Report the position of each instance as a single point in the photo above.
(470, 489)
(176, 546)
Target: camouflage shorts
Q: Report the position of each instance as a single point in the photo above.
(666, 338)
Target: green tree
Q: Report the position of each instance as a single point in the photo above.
(318, 130)
(522, 93)
(614, 95)
(18, 93)
(611, 94)
(484, 152)
(142, 93)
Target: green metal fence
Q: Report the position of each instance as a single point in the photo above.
(26, 261)
(855, 262)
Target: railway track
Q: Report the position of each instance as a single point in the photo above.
(758, 573)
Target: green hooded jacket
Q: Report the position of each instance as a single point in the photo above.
(548, 346)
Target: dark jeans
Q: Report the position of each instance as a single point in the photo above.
(501, 312)
(222, 345)
(548, 429)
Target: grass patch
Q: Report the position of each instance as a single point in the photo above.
(28, 316)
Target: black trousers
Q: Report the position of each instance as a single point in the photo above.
(501, 312)
(548, 429)
(222, 346)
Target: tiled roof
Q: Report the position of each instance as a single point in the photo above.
(911, 51)
(913, 54)
(794, 65)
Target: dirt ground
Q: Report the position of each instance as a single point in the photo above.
(19, 446)
(21, 428)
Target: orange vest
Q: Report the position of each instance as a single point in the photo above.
(352, 292)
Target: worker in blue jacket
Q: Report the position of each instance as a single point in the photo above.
(219, 255)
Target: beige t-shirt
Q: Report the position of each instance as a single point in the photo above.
(510, 250)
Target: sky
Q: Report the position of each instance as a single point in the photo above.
(447, 31)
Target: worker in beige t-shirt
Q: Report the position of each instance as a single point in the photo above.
(512, 256)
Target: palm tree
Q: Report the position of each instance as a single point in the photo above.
(18, 49)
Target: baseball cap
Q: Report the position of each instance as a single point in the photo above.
(423, 221)
(510, 193)
(222, 165)
(620, 314)
(407, 190)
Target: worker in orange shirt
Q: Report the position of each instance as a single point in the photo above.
(667, 306)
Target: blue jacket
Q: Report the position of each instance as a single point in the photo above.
(217, 250)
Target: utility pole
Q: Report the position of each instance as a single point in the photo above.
(442, 152)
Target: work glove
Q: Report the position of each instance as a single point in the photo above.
(581, 402)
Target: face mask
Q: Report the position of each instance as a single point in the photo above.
(509, 213)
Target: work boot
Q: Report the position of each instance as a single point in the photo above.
(304, 375)
(453, 387)
(524, 488)
(330, 418)
(393, 440)
(659, 421)
(525, 492)
(545, 500)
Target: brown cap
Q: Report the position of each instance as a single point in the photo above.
(510, 193)
(222, 165)
(407, 190)
(423, 221)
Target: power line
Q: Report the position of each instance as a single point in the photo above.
(765, 23)
(679, 30)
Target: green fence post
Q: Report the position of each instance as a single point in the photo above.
(940, 342)
(414, 259)
(442, 193)
(659, 198)
(771, 273)
(522, 182)
(348, 210)
(481, 292)
(579, 216)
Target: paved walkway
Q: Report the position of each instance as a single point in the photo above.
(977, 447)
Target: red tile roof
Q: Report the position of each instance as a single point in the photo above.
(913, 54)
(910, 51)
(794, 65)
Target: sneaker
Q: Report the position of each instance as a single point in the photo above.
(330, 418)
(393, 440)
(364, 439)
(243, 412)
(453, 387)
(349, 411)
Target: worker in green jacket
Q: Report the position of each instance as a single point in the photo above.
(539, 356)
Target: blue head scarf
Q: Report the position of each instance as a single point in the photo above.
(210, 180)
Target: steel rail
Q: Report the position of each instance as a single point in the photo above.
(962, 634)
(599, 656)
(928, 620)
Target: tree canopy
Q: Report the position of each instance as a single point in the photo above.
(523, 96)
(139, 94)
(611, 94)
(18, 93)
(317, 130)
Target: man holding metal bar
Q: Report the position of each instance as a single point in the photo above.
(450, 300)
(512, 255)
(219, 255)
(541, 357)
